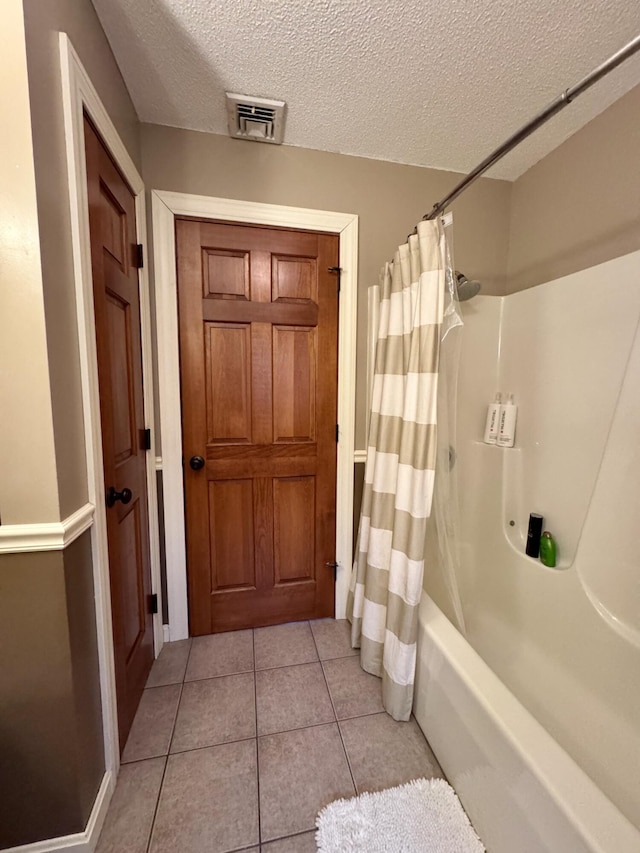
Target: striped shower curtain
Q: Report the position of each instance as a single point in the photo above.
(386, 584)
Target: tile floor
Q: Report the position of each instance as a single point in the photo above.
(241, 738)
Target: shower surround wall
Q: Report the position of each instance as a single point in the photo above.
(565, 641)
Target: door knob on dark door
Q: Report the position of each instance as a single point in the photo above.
(112, 496)
(196, 462)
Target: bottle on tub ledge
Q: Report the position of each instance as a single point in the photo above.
(493, 420)
(507, 429)
(534, 535)
(548, 550)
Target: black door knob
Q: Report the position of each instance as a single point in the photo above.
(196, 463)
(112, 496)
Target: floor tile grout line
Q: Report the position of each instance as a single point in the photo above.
(220, 675)
(166, 757)
(162, 686)
(296, 663)
(256, 737)
(255, 705)
(175, 718)
(155, 811)
(245, 671)
(331, 657)
(298, 729)
(352, 716)
(211, 745)
(253, 737)
(293, 835)
(302, 663)
(335, 714)
(333, 707)
(333, 719)
(148, 686)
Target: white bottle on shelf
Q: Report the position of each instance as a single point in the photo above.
(493, 420)
(508, 417)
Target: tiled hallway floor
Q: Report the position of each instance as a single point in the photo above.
(241, 738)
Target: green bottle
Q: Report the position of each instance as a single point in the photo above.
(547, 550)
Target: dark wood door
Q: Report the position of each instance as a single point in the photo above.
(258, 312)
(117, 312)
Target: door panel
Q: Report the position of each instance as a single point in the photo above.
(117, 312)
(258, 350)
(232, 535)
(294, 528)
(294, 279)
(226, 274)
(228, 373)
(133, 603)
(123, 406)
(294, 383)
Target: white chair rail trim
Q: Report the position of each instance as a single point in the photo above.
(50, 536)
(358, 456)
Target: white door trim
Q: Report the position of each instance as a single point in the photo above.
(165, 207)
(80, 96)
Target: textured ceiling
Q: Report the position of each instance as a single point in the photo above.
(430, 83)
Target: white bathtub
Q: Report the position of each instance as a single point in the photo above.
(521, 790)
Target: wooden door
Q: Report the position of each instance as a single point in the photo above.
(117, 312)
(258, 312)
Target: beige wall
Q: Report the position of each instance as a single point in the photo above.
(389, 199)
(88, 744)
(50, 720)
(580, 205)
(26, 428)
(41, 430)
(43, 21)
(35, 695)
(51, 741)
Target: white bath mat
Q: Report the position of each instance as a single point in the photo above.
(423, 816)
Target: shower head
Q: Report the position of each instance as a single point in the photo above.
(467, 288)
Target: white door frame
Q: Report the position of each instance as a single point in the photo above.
(165, 207)
(80, 96)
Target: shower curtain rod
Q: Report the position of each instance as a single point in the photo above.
(563, 100)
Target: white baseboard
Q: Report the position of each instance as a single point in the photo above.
(166, 630)
(80, 842)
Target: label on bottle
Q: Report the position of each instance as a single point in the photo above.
(507, 431)
(491, 427)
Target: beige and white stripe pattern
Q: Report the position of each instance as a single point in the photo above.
(386, 584)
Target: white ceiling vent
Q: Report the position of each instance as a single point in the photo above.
(255, 118)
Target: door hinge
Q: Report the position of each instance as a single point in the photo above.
(337, 271)
(333, 565)
(337, 432)
(146, 439)
(139, 256)
(153, 603)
